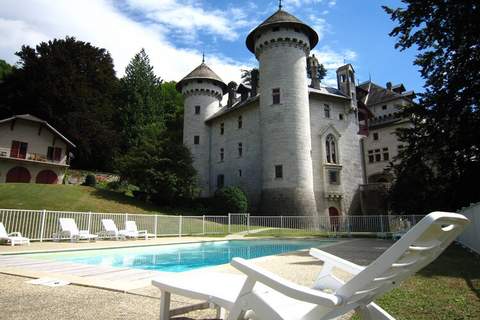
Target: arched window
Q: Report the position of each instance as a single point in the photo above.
(331, 149)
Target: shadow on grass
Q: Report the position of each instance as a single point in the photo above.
(456, 262)
(145, 206)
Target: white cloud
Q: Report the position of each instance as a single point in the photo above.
(320, 25)
(99, 22)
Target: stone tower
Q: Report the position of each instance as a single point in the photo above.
(203, 91)
(346, 83)
(282, 44)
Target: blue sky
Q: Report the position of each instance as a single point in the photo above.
(176, 32)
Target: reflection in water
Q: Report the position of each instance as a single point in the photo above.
(185, 257)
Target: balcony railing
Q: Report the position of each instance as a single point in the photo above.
(31, 156)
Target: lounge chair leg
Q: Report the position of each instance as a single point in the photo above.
(165, 306)
(372, 311)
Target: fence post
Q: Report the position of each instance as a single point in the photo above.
(248, 223)
(180, 221)
(42, 229)
(414, 219)
(89, 220)
(281, 224)
(203, 224)
(349, 227)
(126, 218)
(155, 227)
(229, 223)
(381, 226)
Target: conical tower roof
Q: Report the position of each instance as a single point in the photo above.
(202, 72)
(280, 18)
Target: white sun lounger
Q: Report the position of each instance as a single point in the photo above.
(263, 295)
(133, 232)
(70, 230)
(111, 230)
(12, 238)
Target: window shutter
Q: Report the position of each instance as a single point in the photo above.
(14, 150)
(58, 154)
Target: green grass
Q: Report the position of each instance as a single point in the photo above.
(449, 288)
(74, 198)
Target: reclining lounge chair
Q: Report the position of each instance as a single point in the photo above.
(12, 238)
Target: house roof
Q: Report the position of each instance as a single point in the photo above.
(329, 91)
(279, 18)
(378, 94)
(202, 72)
(29, 117)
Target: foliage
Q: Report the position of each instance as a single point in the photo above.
(159, 166)
(5, 69)
(444, 143)
(72, 85)
(321, 72)
(231, 200)
(141, 97)
(90, 181)
(247, 76)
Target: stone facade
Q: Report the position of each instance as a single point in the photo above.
(293, 149)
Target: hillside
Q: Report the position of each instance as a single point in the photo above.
(72, 198)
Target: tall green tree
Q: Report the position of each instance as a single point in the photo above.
(444, 143)
(5, 69)
(142, 102)
(72, 85)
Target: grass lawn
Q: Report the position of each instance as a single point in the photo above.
(73, 198)
(449, 288)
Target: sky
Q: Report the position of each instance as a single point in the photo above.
(175, 33)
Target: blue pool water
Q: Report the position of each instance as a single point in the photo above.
(182, 257)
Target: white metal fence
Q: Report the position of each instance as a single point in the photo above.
(471, 236)
(42, 224)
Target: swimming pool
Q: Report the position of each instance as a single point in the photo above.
(182, 257)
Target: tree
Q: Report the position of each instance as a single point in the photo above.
(444, 143)
(141, 94)
(72, 85)
(5, 69)
(159, 166)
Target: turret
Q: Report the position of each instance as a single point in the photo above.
(346, 83)
(281, 44)
(203, 91)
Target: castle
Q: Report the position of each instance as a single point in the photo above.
(294, 147)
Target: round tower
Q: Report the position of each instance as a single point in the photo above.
(203, 91)
(282, 44)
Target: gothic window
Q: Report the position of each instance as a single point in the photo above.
(333, 176)
(240, 122)
(326, 110)
(278, 172)
(240, 150)
(276, 96)
(196, 140)
(197, 109)
(331, 149)
(222, 128)
(222, 154)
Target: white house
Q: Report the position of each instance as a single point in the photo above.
(32, 151)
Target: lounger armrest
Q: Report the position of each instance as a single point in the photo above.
(15, 234)
(286, 287)
(333, 261)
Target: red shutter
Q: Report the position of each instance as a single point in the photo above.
(14, 149)
(58, 154)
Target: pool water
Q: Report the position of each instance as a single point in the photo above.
(182, 257)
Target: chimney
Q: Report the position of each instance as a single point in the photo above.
(389, 86)
(232, 88)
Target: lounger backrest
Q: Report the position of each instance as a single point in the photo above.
(3, 232)
(109, 225)
(415, 250)
(131, 226)
(68, 224)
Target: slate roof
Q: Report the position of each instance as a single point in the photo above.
(202, 72)
(378, 94)
(29, 117)
(279, 18)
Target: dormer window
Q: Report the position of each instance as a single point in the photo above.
(331, 149)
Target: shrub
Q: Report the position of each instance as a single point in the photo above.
(90, 180)
(231, 200)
